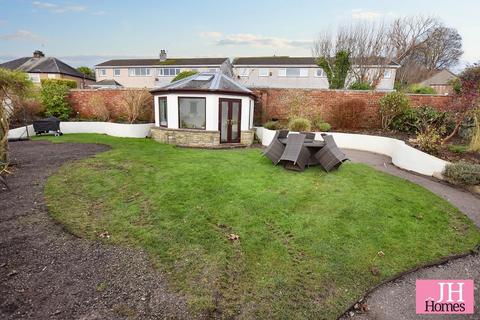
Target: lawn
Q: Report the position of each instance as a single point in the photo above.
(308, 241)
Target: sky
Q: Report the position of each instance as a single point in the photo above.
(87, 32)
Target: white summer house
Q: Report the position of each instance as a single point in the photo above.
(204, 110)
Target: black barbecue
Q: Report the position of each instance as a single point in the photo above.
(46, 125)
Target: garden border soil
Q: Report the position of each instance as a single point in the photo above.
(46, 273)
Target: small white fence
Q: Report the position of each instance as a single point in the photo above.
(403, 156)
(123, 130)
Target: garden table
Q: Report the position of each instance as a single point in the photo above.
(307, 143)
(312, 146)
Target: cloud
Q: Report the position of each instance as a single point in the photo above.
(99, 13)
(57, 8)
(21, 35)
(362, 14)
(211, 34)
(246, 39)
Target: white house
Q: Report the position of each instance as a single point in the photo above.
(151, 73)
(204, 110)
(294, 72)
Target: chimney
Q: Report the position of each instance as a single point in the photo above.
(38, 54)
(163, 55)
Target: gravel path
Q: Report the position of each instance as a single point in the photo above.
(396, 300)
(46, 273)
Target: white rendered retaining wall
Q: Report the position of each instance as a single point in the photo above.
(124, 130)
(403, 156)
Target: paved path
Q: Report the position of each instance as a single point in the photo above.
(396, 300)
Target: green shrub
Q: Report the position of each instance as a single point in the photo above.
(72, 84)
(419, 89)
(184, 74)
(392, 105)
(324, 127)
(462, 173)
(415, 120)
(54, 98)
(359, 85)
(430, 140)
(457, 148)
(299, 124)
(456, 85)
(406, 121)
(271, 125)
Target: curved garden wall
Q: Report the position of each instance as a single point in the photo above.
(403, 156)
(123, 130)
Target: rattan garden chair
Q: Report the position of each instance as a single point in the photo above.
(275, 149)
(296, 155)
(330, 156)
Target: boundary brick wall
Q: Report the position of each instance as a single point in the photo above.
(273, 104)
(80, 102)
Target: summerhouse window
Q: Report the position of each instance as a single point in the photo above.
(191, 113)
(162, 106)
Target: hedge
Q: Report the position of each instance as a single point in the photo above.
(72, 84)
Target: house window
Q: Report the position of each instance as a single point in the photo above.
(34, 77)
(320, 73)
(168, 72)
(138, 72)
(243, 72)
(263, 72)
(387, 74)
(191, 113)
(293, 72)
(102, 72)
(116, 72)
(162, 108)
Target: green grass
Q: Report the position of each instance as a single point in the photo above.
(308, 241)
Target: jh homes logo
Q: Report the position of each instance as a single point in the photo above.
(444, 296)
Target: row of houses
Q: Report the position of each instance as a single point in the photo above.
(251, 72)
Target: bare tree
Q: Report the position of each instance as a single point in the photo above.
(370, 49)
(442, 49)
(368, 45)
(423, 44)
(407, 34)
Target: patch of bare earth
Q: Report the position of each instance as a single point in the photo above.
(46, 273)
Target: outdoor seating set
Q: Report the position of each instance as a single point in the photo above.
(295, 151)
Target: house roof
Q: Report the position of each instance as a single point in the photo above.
(106, 82)
(442, 77)
(43, 65)
(206, 82)
(286, 60)
(169, 62)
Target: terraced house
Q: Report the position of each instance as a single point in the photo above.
(297, 72)
(151, 73)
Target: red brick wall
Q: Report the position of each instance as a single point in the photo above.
(80, 102)
(271, 104)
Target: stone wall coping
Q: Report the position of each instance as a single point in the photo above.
(185, 130)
